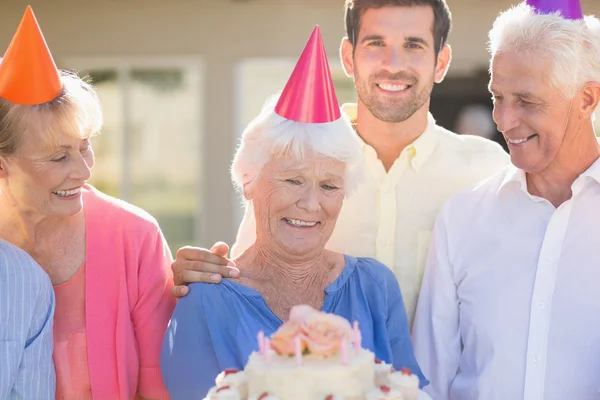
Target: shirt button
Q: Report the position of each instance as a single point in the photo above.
(548, 258)
(537, 358)
(386, 243)
(541, 305)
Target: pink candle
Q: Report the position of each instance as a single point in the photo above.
(267, 345)
(261, 344)
(298, 350)
(356, 338)
(344, 349)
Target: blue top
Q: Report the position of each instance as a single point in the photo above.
(26, 318)
(215, 327)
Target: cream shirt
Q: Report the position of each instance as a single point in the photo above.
(391, 215)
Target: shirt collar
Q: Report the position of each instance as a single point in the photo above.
(517, 176)
(418, 151)
(593, 171)
(514, 176)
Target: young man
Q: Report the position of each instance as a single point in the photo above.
(395, 50)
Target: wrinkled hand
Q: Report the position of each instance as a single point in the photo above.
(195, 264)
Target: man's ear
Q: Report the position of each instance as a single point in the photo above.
(443, 63)
(347, 57)
(247, 191)
(590, 96)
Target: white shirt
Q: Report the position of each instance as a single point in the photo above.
(510, 303)
(391, 215)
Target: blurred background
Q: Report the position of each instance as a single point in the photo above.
(180, 79)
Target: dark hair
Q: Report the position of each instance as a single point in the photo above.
(442, 22)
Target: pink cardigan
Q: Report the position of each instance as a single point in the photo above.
(128, 300)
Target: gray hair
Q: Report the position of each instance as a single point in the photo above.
(571, 47)
(270, 136)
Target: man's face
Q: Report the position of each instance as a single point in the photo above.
(534, 117)
(394, 64)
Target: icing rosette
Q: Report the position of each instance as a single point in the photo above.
(323, 333)
(223, 393)
(384, 393)
(406, 382)
(234, 378)
(263, 396)
(382, 372)
(319, 333)
(282, 341)
(299, 313)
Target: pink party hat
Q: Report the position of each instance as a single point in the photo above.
(309, 95)
(570, 9)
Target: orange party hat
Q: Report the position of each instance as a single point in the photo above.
(28, 74)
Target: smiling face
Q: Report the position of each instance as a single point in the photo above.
(394, 63)
(533, 116)
(297, 203)
(46, 179)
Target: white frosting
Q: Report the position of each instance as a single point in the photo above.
(407, 384)
(330, 397)
(267, 397)
(378, 394)
(316, 378)
(223, 393)
(401, 380)
(382, 371)
(237, 380)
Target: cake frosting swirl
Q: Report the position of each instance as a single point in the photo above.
(406, 382)
(382, 372)
(384, 392)
(234, 378)
(223, 393)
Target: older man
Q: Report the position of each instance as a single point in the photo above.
(510, 303)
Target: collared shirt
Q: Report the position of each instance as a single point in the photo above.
(391, 215)
(510, 303)
(26, 313)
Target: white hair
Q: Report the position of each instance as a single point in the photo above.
(270, 136)
(571, 47)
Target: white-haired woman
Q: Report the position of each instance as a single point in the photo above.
(296, 176)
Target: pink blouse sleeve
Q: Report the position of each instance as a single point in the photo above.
(152, 312)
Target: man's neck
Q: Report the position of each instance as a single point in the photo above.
(389, 138)
(555, 182)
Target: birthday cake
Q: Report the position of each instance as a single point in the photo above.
(314, 356)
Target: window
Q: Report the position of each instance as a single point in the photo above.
(150, 149)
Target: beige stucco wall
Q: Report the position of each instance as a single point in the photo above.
(222, 32)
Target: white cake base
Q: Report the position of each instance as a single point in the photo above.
(313, 379)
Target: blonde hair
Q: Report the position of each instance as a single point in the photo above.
(270, 136)
(75, 112)
(571, 47)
